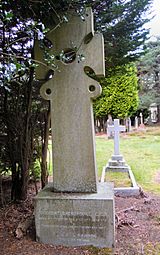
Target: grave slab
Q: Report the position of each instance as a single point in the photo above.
(74, 219)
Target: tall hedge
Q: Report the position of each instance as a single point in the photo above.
(119, 93)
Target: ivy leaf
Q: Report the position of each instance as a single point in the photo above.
(18, 66)
(8, 15)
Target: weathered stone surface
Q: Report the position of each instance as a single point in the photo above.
(70, 93)
(117, 164)
(74, 219)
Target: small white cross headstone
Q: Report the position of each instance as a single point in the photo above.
(116, 128)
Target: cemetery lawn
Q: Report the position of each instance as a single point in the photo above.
(141, 152)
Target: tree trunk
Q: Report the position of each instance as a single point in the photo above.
(1, 192)
(16, 185)
(27, 153)
(44, 173)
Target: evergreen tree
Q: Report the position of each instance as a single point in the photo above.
(120, 93)
(120, 21)
(149, 75)
(123, 31)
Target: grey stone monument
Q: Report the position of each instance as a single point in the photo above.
(128, 125)
(153, 108)
(75, 209)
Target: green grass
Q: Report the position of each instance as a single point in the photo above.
(140, 150)
(119, 179)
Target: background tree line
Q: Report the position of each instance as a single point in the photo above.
(25, 117)
(149, 76)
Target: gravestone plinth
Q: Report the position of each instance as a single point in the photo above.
(75, 209)
(76, 219)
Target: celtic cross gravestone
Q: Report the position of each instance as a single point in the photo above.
(70, 92)
(75, 209)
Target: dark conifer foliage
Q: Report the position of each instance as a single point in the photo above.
(149, 75)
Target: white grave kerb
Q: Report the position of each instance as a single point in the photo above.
(116, 129)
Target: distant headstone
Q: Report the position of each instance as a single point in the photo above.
(110, 133)
(136, 122)
(75, 210)
(141, 126)
(128, 125)
(153, 112)
(141, 118)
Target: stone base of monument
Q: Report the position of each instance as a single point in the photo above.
(76, 219)
(117, 164)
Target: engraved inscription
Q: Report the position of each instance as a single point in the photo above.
(72, 225)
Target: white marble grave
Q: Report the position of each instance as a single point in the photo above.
(74, 209)
(118, 164)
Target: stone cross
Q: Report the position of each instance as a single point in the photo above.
(116, 129)
(141, 118)
(70, 92)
